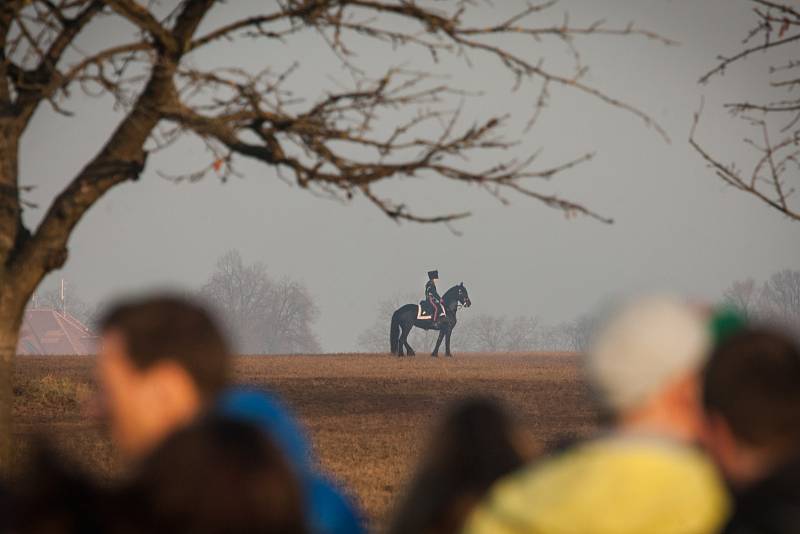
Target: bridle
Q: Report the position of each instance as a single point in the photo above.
(460, 304)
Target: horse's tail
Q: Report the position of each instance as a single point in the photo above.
(394, 332)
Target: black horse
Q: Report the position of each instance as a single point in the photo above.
(405, 318)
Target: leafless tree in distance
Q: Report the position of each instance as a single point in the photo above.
(780, 299)
(491, 333)
(292, 315)
(775, 302)
(340, 142)
(260, 314)
(574, 335)
(774, 175)
(743, 296)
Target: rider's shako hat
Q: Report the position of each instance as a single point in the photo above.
(433, 275)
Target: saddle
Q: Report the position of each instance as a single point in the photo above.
(425, 311)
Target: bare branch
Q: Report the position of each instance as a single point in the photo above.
(341, 144)
(769, 187)
(726, 61)
(776, 172)
(142, 18)
(122, 158)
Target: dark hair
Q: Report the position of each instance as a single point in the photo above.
(472, 448)
(172, 328)
(51, 496)
(752, 380)
(215, 476)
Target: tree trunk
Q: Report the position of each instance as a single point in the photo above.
(12, 307)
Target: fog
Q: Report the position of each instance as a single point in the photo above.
(676, 226)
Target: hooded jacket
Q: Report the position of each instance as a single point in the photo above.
(328, 511)
(611, 485)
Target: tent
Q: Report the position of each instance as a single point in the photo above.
(49, 331)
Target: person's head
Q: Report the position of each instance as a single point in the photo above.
(433, 276)
(644, 366)
(476, 444)
(751, 394)
(161, 360)
(216, 475)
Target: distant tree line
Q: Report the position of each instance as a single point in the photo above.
(262, 314)
(483, 333)
(774, 301)
(265, 315)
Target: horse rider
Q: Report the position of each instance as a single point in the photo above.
(432, 296)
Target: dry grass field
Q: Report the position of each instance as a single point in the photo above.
(368, 415)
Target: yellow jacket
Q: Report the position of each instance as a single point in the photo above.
(613, 485)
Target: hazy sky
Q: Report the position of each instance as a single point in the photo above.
(677, 227)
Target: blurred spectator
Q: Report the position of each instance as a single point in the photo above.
(644, 474)
(752, 399)
(212, 477)
(5, 508)
(50, 497)
(475, 445)
(331, 512)
(163, 361)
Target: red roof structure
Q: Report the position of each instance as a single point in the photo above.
(49, 331)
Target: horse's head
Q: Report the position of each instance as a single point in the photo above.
(463, 296)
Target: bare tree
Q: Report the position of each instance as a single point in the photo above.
(780, 299)
(488, 333)
(341, 142)
(573, 336)
(483, 333)
(291, 316)
(774, 176)
(553, 337)
(240, 294)
(522, 333)
(744, 296)
(261, 315)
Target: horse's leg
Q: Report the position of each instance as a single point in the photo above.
(447, 342)
(438, 342)
(400, 339)
(406, 332)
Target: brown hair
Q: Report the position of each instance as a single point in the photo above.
(215, 476)
(752, 380)
(472, 447)
(172, 328)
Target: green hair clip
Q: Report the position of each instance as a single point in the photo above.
(726, 321)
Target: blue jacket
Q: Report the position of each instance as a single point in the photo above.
(328, 511)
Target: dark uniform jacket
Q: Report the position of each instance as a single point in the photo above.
(772, 506)
(430, 291)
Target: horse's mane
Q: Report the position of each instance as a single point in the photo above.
(451, 290)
